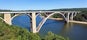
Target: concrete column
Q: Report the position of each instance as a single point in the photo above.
(75, 14)
(7, 18)
(45, 14)
(71, 16)
(34, 22)
(68, 17)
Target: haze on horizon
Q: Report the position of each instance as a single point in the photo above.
(41, 4)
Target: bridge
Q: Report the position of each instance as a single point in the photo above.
(67, 15)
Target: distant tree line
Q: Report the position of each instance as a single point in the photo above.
(3, 10)
(79, 17)
(70, 9)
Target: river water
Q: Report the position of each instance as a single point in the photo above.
(72, 30)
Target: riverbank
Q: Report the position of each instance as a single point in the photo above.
(53, 18)
(56, 18)
(80, 22)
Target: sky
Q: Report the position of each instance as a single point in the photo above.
(41, 4)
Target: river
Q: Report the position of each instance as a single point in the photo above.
(72, 30)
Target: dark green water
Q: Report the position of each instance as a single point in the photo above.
(71, 30)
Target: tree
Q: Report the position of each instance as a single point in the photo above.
(10, 32)
(51, 36)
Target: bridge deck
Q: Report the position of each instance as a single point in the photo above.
(35, 11)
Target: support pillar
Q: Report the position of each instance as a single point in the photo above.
(71, 17)
(45, 14)
(7, 18)
(68, 17)
(75, 14)
(34, 22)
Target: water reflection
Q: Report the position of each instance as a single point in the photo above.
(66, 29)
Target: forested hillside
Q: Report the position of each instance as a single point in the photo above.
(82, 16)
(70, 9)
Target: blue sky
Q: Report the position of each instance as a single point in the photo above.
(41, 4)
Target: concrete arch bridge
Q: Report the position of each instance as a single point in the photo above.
(67, 15)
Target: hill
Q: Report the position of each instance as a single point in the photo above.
(70, 9)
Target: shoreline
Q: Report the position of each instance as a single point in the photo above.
(56, 18)
(80, 22)
(53, 18)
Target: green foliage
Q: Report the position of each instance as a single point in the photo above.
(70, 9)
(9, 32)
(34, 37)
(57, 16)
(12, 15)
(2, 15)
(51, 36)
(81, 16)
(1, 10)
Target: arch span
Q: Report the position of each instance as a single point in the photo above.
(18, 15)
(44, 20)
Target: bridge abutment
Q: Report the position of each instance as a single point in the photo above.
(7, 18)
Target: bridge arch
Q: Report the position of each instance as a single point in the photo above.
(19, 15)
(44, 20)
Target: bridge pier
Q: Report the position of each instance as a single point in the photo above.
(75, 13)
(33, 22)
(7, 18)
(71, 18)
(68, 17)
